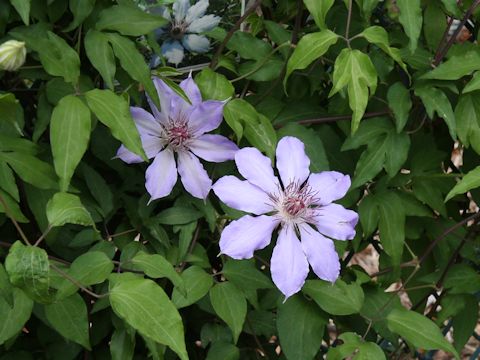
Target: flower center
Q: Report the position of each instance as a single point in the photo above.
(295, 203)
(178, 30)
(178, 134)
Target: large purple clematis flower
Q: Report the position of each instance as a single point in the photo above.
(301, 204)
(179, 128)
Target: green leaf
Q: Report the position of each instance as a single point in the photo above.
(178, 215)
(230, 305)
(396, 146)
(90, 268)
(462, 279)
(467, 116)
(319, 10)
(80, 10)
(128, 20)
(435, 100)
(145, 306)
(14, 318)
(133, 62)
(378, 35)
(23, 9)
(399, 101)
(10, 108)
(313, 145)
(370, 163)
(352, 344)
(100, 54)
(336, 299)
(13, 208)
(245, 276)
(122, 345)
(465, 322)
(7, 181)
(237, 113)
(213, 85)
(156, 266)
(391, 224)
(113, 111)
(300, 325)
(69, 134)
(418, 330)
(223, 351)
(248, 46)
(456, 67)
(411, 20)
(355, 70)
(262, 135)
(309, 48)
(473, 84)
(31, 170)
(66, 208)
(98, 188)
(368, 213)
(197, 284)
(69, 318)
(29, 269)
(58, 58)
(469, 181)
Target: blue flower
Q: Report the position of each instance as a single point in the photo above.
(187, 23)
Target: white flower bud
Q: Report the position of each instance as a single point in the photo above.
(12, 55)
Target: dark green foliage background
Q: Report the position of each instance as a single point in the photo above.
(375, 89)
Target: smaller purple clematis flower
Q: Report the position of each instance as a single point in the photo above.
(179, 128)
(301, 204)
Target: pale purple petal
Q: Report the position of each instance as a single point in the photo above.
(321, 253)
(194, 177)
(289, 266)
(203, 24)
(191, 90)
(180, 8)
(292, 162)
(243, 236)
(127, 156)
(151, 144)
(206, 116)
(214, 148)
(173, 51)
(335, 221)
(196, 43)
(165, 95)
(145, 122)
(161, 175)
(257, 169)
(329, 186)
(196, 11)
(242, 195)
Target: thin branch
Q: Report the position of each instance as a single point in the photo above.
(76, 283)
(45, 233)
(15, 223)
(441, 54)
(330, 119)
(229, 35)
(298, 22)
(445, 234)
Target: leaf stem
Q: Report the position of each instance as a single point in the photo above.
(15, 223)
(45, 233)
(349, 20)
(76, 283)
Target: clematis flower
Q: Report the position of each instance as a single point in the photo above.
(179, 128)
(299, 203)
(185, 29)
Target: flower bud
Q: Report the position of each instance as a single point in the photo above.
(12, 55)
